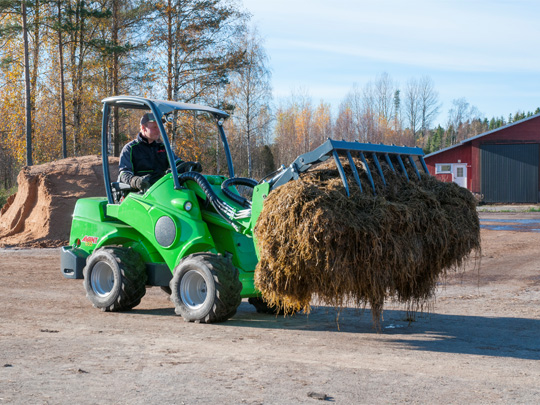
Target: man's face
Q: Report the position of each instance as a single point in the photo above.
(150, 131)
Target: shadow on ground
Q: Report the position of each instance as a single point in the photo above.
(475, 335)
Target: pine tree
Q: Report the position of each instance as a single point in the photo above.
(268, 164)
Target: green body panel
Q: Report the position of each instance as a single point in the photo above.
(92, 229)
(242, 251)
(260, 193)
(200, 229)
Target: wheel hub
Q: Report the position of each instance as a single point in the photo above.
(193, 289)
(102, 279)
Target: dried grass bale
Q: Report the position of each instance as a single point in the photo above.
(314, 241)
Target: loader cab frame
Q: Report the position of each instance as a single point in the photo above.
(161, 109)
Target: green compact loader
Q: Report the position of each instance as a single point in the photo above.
(190, 234)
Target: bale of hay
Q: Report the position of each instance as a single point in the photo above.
(315, 242)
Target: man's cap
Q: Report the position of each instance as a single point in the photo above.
(148, 117)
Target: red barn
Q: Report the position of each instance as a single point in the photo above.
(499, 165)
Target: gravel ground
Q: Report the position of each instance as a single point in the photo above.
(478, 343)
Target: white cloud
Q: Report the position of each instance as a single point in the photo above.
(451, 58)
(485, 51)
(454, 35)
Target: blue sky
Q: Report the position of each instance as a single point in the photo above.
(485, 51)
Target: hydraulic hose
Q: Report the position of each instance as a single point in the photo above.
(221, 207)
(240, 181)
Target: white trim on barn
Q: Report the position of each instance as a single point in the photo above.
(457, 170)
(443, 168)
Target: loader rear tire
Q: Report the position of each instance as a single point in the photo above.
(205, 288)
(166, 290)
(115, 279)
(263, 307)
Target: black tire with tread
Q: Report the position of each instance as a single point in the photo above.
(262, 307)
(129, 284)
(166, 290)
(222, 284)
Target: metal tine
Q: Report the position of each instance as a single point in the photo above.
(354, 171)
(379, 168)
(402, 166)
(389, 161)
(368, 171)
(413, 164)
(323, 152)
(423, 164)
(341, 172)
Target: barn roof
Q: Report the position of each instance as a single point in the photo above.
(482, 135)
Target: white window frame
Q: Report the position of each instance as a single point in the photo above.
(438, 168)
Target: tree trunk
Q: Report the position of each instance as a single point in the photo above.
(77, 82)
(169, 51)
(248, 136)
(62, 85)
(35, 60)
(27, 88)
(115, 86)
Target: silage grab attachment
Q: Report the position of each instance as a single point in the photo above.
(396, 157)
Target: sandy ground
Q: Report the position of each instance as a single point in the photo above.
(478, 344)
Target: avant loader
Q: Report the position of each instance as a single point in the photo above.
(190, 233)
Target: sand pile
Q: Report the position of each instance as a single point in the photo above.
(39, 214)
(315, 242)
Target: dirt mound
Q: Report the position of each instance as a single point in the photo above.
(39, 214)
(315, 242)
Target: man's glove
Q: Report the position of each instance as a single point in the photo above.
(140, 183)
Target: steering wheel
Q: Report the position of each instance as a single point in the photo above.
(188, 166)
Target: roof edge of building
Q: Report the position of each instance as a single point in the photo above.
(482, 135)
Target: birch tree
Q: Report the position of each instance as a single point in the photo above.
(250, 93)
(27, 82)
(460, 117)
(429, 103)
(411, 105)
(384, 89)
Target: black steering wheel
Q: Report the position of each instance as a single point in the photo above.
(189, 166)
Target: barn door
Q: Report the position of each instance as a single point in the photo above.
(509, 173)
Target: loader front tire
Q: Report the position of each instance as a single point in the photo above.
(115, 279)
(205, 288)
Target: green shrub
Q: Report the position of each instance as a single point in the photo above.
(5, 193)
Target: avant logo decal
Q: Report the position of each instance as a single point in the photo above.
(90, 240)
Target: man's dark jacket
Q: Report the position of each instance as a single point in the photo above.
(140, 158)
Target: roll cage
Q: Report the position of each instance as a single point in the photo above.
(159, 108)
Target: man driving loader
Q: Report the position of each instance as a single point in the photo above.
(143, 161)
